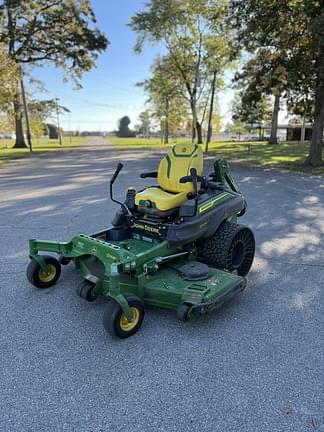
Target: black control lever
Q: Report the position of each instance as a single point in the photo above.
(152, 174)
(118, 169)
(194, 179)
(112, 181)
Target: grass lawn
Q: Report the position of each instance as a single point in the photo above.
(41, 145)
(284, 155)
(290, 155)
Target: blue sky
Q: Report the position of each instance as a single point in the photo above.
(109, 91)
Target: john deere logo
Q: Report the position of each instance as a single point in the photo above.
(146, 228)
(94, 249)
(184, 150)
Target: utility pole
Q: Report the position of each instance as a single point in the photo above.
(26, 114)
(58, 121)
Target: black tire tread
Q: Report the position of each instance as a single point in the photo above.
(182, 312)
(33, 270)
(112, 315)
(85, 290)
(213, 250)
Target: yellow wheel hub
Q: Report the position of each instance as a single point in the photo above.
(47, 277)
(125, 325)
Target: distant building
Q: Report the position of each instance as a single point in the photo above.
(52, 131)
(294, 132)
(288, 132)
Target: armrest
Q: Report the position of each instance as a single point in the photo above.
(188, 179)
(152, 174)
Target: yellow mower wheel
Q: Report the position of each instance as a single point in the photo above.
(49, 276)
(127, 326)
(41, 279)
(115, 321)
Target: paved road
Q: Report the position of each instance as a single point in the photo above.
(255, 365)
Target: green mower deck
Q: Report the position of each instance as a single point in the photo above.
(134, 266)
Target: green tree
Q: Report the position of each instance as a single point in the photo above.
(220, 56)
(46, 109)
(217, 122)
(251, 111)
(237, 127)
(185, 28)
(266, 74)
(60, 32)
(7, 123)
(42, 112)
(165, 97)
(123, 128)
(37, 127)
(296, 26)
(8, 80)
(145, 123)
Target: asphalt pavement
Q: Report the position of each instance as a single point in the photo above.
(257, 364)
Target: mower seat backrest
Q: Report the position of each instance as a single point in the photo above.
(176, 164)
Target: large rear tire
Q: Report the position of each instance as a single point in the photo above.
(231, 248)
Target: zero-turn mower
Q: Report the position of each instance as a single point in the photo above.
(174, 245)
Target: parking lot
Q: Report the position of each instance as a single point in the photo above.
(255, 365)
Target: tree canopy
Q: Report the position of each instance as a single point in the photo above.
(250, 111)
(292, 33)
(8, 80)
(123, 128)
(192, 32)
(165, 96)
(60, 32)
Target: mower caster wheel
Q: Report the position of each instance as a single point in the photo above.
(64, 260)
(86, 291)
(40, 279)
(115, 321)
(182, 312)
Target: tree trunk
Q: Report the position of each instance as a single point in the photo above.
(194, 118)
(315, 151)
(166, 129)
(199, 132)
(274, 125)
(303, 130)
(210, 117)
(20, 140)
(23, 94)
(166, 132)
(18, 112)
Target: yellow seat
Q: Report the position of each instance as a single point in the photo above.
(160, 199)
(176, 164)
